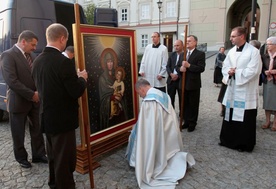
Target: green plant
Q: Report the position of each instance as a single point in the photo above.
(89, 13)
(139, 57)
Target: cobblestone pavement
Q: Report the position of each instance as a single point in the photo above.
(216, 166)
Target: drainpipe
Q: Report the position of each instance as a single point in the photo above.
(269, 18)
(177, 19)
(253, 20)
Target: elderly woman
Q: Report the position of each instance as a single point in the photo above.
(269, 87)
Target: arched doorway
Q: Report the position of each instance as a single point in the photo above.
(239, 14)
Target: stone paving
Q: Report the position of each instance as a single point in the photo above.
(216, 167)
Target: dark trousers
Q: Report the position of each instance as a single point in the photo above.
(61, 150)
(173, 87)
(240, 135)
(191, 106)
(163, 89)
(18, 123)
(218, 75)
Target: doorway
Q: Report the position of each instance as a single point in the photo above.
(168, 41)
(239, 14)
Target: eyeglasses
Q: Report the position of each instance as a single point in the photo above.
(270, 44)
(234, 36)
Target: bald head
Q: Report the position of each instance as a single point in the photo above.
(178, 46)
(57, 36)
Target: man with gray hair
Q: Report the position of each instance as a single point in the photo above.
(59, 87)
(255, 43)
(69, 52)
(155, 146)
(193, 67)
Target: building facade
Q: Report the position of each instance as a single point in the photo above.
(210, 20)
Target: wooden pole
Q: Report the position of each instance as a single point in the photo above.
(183, 79)
(86, 127)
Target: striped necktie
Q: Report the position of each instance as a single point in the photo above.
(188, 56)
(29, 59)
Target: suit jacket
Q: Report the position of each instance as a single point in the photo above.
(193, 73)
(59, 88)
(17, 74)
(171, 65)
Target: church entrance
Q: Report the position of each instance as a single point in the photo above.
(240, 14)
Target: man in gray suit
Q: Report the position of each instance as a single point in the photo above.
(22, 99)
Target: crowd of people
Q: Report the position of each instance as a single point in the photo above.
(240, 72)
(43, 91)
(45, 95)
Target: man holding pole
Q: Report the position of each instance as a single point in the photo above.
(193, 67)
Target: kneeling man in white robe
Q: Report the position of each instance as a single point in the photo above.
(155, 146)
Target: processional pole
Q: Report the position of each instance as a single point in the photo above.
(183, 79)
(86, 129)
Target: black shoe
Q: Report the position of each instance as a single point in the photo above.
(240, 150)
(185, 126)
(25, 164)
(221, 144)
(191, 128)
(42, 159)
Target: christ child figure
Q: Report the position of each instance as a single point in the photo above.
(119, 89)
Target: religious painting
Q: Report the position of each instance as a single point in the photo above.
(109, 57)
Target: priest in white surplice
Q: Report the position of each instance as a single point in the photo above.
(155, 146)
(241, 71)
(154, 62)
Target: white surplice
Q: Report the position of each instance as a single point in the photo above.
(243, 89)
(154, 63)
(155, 146)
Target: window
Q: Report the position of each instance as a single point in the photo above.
(124, 15)
(145, 11)
(171, 9)
(144, 40)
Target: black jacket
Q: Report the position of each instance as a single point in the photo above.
(59, 89)
(171, 65)
(193, 74)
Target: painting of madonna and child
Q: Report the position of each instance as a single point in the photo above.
(110, 91)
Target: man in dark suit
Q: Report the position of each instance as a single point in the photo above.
(59, 87)
(22, 99)
(173, 85)
(193, 68)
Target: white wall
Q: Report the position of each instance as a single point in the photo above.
(206, 18)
